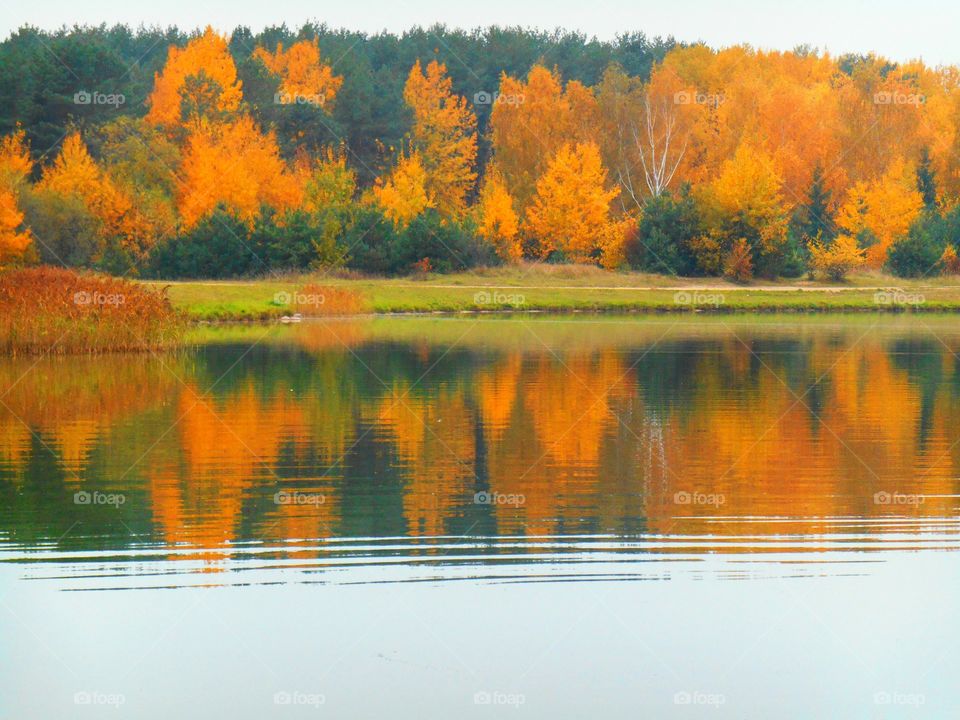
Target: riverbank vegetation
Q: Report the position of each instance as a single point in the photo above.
(52, 310)
(172, 155)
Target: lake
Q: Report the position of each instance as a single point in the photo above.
(478, 516)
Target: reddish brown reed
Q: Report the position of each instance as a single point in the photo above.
(54, 310)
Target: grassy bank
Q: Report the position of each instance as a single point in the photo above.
(562, 289)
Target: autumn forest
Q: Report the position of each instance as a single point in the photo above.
(155, 153)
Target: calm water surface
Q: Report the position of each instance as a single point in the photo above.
(487, 517)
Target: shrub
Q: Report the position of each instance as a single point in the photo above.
(919, 253)
(950, 261)
(47, 309)
(315, 300)
(738, 262)
(66, 232)
(219, 246)
(374, 244)
(663, 241)
(836, 260)
(298, 240)
(369, 240)
(448, 245)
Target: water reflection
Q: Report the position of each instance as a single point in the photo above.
(386, 449)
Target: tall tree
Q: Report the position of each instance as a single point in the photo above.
(532, 120)
(198, 81)
(404, 195)
(499, 223)
(571, 209)
(444, 134)
(237, 166)
(304, 78)
(879, 212)
(814, 218)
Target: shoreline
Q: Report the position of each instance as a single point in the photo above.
(555, 290)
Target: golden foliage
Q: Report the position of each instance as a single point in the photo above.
(13, 241)
(303, 76)
(75, 172)
(445, 134)
(885, 208)
(738, 262)
(838, 259)
(15, 162)
(237, 165)
(748, 189)
(403, 196)
(15, 165)
(215, 89)
(499, 223)
(531, 121)
(571, 209)
(327, 181)
(950, 261)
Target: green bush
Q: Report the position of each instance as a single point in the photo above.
(918, 254)
(219, 246)
(449, 246)
(66, 232)
(662, 241)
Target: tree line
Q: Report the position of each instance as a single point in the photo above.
(161, 153)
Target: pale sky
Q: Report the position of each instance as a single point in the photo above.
(898, 29)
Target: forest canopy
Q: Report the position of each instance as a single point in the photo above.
(165, 153)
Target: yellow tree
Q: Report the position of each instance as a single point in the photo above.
(303, 76)
(15, 162)
(571, 209)
(15, 165)
(14, 241)
(748, 193)
(235, 165)
(445, 134)
(75, 172)
(499, 223)
(327, 181)
(879, 212)
(532, 120)
(403, 196)
(199, 80)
